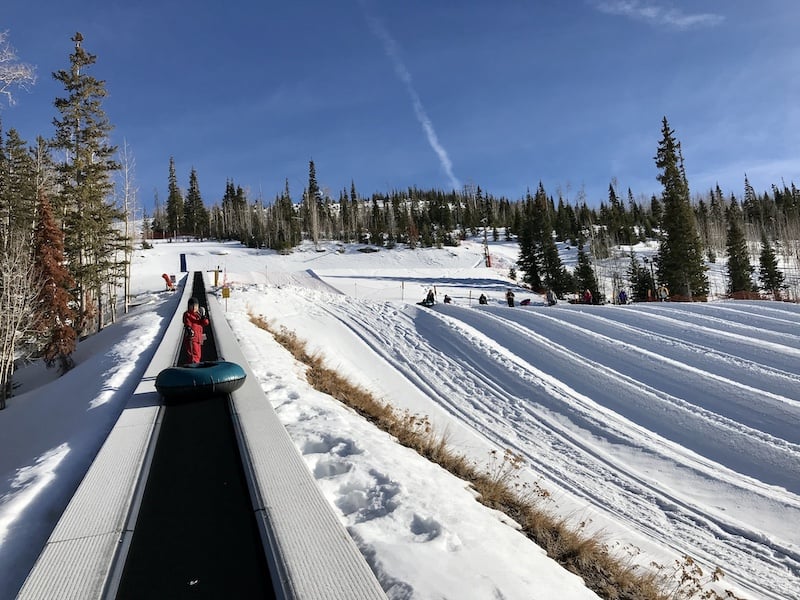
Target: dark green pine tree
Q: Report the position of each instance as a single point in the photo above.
(585, 277)
(771, 277)
(312, 200)
(195, 215)
(539, 259)
(565, 224)
(529, 259)
(344, 215)
(656, 212)
(234, 210)
(618, 227)
(175, 203)
(641, 280)
(17, 187)
(680, 255)
(158, 223)
(85, 202)
(351, 224)
(740, 271)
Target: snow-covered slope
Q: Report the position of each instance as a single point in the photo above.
(673, 429)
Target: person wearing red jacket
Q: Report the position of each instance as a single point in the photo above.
(194, 319)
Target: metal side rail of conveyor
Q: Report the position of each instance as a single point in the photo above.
(306, 548)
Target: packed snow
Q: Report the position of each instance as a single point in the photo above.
(669, 429)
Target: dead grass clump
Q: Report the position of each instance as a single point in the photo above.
(498, 486)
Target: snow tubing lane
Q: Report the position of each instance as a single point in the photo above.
(200, 380)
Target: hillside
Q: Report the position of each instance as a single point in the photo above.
(670, 428)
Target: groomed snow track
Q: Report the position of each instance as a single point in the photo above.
(606, 403)
(299, 541)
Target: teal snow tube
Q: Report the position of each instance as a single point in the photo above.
(200, 380)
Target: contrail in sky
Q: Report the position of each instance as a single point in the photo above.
(393, 52)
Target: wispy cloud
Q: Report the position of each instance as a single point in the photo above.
(657, 14)
(393, 52)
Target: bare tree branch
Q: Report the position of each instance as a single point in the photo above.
(12, 71)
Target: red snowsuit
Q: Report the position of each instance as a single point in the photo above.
(193, 342)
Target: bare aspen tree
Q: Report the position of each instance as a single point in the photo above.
(13, 73)
(17, 290)
(128, 200)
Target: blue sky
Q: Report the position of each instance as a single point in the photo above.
(433, 93)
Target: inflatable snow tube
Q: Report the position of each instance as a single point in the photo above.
(199, 380)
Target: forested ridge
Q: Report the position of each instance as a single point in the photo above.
(67, 202)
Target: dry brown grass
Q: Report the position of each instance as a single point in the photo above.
(498, 487)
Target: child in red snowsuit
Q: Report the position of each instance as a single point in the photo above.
(194, 319)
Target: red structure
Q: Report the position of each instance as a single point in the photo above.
(168, 279)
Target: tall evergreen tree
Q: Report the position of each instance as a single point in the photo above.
(85, 202)
(175, 205)
(312, 200)
(740, 271)
(642, 284)
(539, 259)
(17, 187)
(771, 277)
(585, 277)
(680, 254)
(159, 223)
(234, 209)
(528, 260)
(619, 228)
(195, 216)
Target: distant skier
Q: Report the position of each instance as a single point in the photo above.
(447, 299)
(663, 293)
(483, 299)
(551, 298)
(587, 296)
(623, 297)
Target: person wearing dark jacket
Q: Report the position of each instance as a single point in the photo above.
(510, 297)
(194, 319)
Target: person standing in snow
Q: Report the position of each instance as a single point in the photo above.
(663, 293)
(429, 298)
(194, 319)
(587, 296)
(510, 297)
(551, 298)
(168, 280)
(483, 299)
